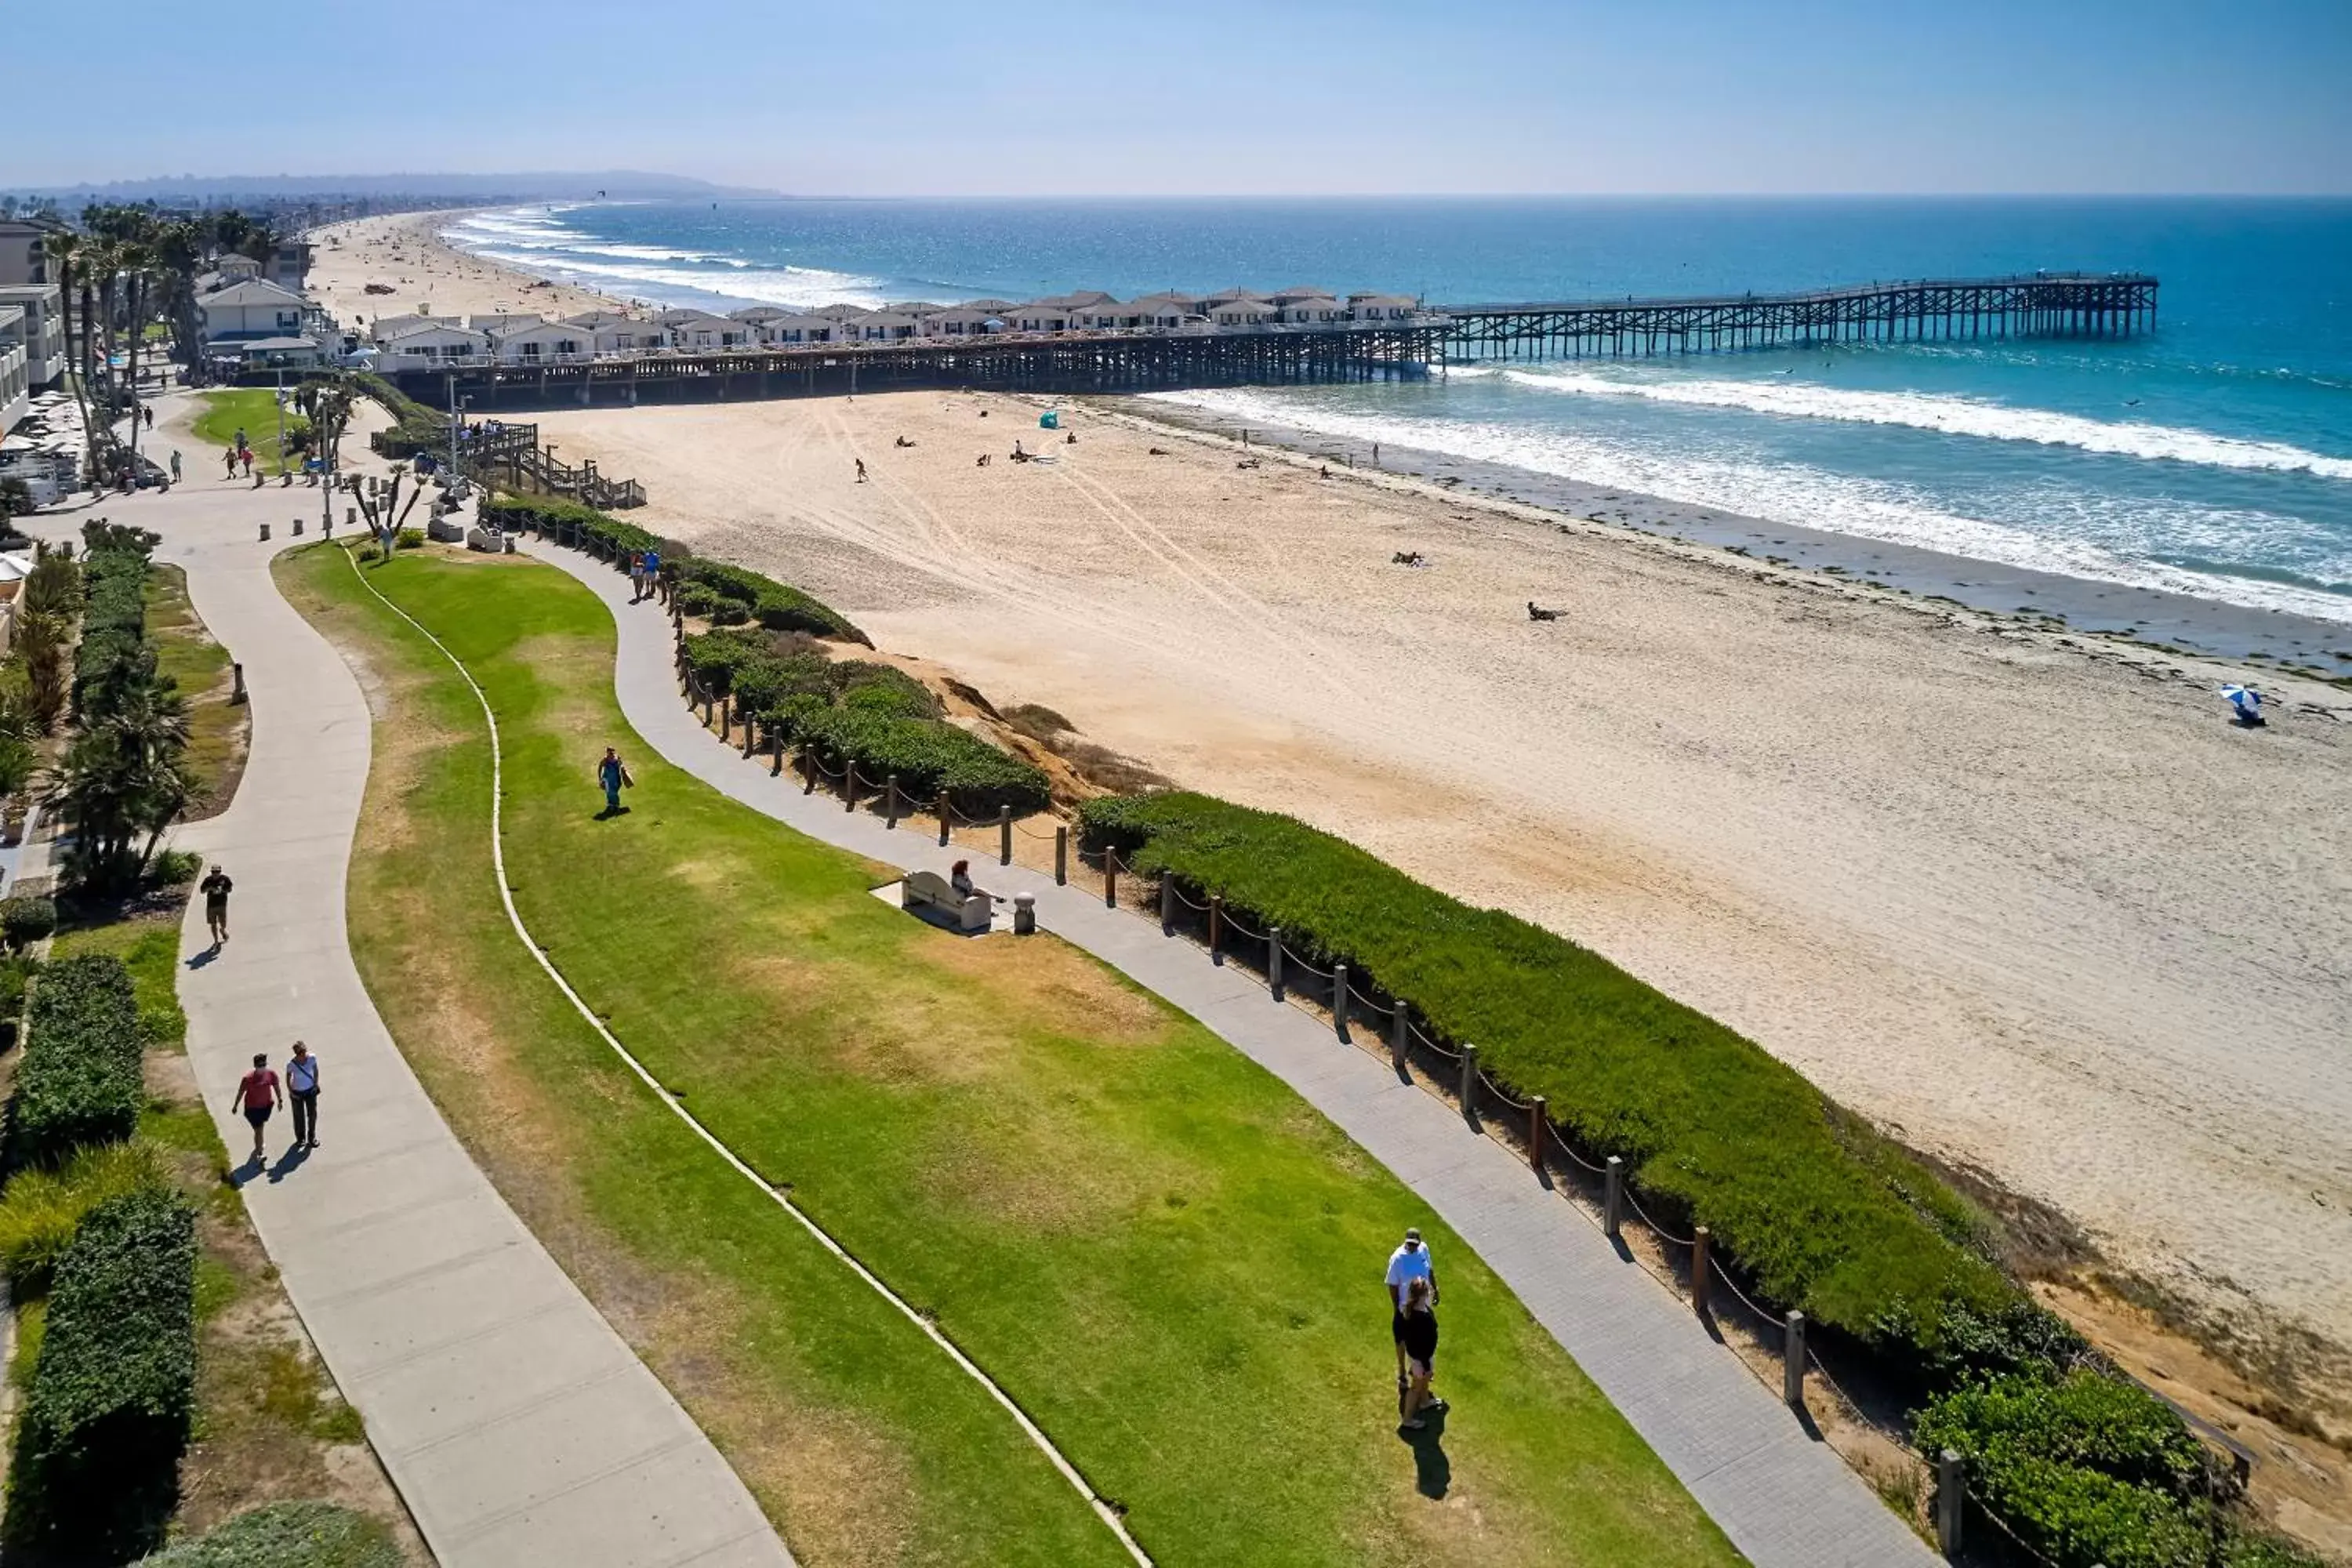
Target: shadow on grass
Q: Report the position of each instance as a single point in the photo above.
(1433, 1472)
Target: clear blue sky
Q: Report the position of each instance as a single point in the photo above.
(1212, 97)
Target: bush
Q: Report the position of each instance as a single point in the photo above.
(286, 1535)
(81, 1080)
(512, 513)
(40, 1210)
(1796, 1192)
(171, 867)
(113, 1389)
(775, 606)
(928, 756)
(883, 688)
(409, 539)
(26, 921)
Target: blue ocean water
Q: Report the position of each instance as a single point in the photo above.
(2213, 458)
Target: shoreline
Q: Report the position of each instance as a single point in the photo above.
(2166, 622)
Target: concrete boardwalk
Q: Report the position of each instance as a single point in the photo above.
(1785, 1500)
(517, 1425)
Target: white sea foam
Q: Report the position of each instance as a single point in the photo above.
(1951, 415)
(795, 286)
(1807, 497)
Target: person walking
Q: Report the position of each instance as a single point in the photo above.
(614, 774)
(302, 1085)
(176, 465)
(861, 470)
(653, 575)
(1420, 1346)
(259, 1093)
(215, 889)
(636, 575)
(1408, 1263)
(229, 458)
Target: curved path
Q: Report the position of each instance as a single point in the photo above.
(1784, 1499)
(517, 1425)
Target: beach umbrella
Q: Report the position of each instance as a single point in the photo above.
(1050, 420)
(2245, 700)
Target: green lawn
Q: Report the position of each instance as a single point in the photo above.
(252, 409)
(186, 652)
(1165, 1257)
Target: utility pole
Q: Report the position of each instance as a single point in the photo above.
(281, 419)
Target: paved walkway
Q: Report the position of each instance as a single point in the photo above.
(517, 1425)
(1785, 1500)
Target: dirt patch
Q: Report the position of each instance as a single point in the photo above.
(1052, 983)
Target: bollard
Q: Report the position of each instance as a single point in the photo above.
(776, 745)
(1274, 962)
(1216, 926)
(943, 819)
(1792, 1361)
(808, 770)
(1534, 1135)
(1949, 1488)
(237, 672)
(726, 718)
(1004, 836)
(265, 533)
(1111, 877)
(1166, 906)
(1025, 913)
(1061, 857)
(1613, 1199)
(1339, 1001)
(890, 810)
(750, 729)
(1400, 1036)
(351, 517)
(1702, 1279)
(849, 784)
(1467, 1090)
(298, 528)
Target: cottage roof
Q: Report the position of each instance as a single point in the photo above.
(596, 319)
(757, 313)
(253, 291)
(524, 329)
(994, 307)
(415, 326)
(840, 311)
(1384, 300)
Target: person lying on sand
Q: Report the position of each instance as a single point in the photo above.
(902, 441)
(1156, 451)
(1535, 614)
(983, 460)
(1411, 558)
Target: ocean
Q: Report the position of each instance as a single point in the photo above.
(2212, 459)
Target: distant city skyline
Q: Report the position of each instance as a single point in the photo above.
(1306, 97)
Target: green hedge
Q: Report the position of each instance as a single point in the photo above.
(513, 512)
(81, 1080)
(2089, 1468)
(1822, 1214)
(112, 656)
(286, 1535)
(928, 755)
(113, 1389)
(418, 428)
(712, 584)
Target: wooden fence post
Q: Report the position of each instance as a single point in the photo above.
(1399, 1036)
(1274, 962)
(1702, 1246)
(1111, 877)
(1793, 1360)
(1339, 1001)
(849, 784)
(808, 768)
(750, 730)
(890, 808)
(1536, 1135)
(1167, 905)
(776, 745)
(1950, 1488)
(1062, 856)
(1613, 1199)
(945, 821)
(1004, 836)
(1468, 1089)
(1216, 926)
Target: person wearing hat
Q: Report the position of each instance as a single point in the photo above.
(1406, 1264)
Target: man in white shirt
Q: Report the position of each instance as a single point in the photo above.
(1407, 1263)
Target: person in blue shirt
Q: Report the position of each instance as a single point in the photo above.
(612, 774)
(653, 575)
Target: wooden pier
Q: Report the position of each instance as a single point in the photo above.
(2069, 304)
(2042, 305)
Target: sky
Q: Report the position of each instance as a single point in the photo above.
(1212, 97)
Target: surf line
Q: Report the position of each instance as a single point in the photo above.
(1036, 1434)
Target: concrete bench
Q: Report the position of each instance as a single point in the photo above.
(445, 530)
(928, 895)
(491, 540)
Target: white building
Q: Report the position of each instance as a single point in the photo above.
(884, 326)
(790, 331)
(542, 343)
(15, 383)
(252, 310)
(1312, 310)
(427, 344)
(1161, 313)
(1041, 316)
(699, 332)
(1383, 307)
(1242, 312)
(24, 250)
(760, 315)
(964, 321)
(44, 330)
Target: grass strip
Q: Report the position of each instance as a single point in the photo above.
(254, 410)
(1169, 1261)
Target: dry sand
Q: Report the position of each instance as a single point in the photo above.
(426, 277)
(2037, 909)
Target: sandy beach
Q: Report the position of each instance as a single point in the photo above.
(2024, 897)
(404, 253)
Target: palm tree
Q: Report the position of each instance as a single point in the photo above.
(42, 643)
(138, 258)
(65, 248)
(120, 785)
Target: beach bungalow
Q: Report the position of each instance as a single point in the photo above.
(1041, 316)
(755, 316)
(1298, 291)
(788, 331)
(1160, 312)
(427, 344)
(1209, 302)
(699, 332)
(626, 335)
(993, 307)
(494, 324)
(1242, 314)
(885, 326)
(1311, 311)
(543, 343)
(964, 321)
(597, 321)
(840, 311)
(1383, 307)
(250, 309)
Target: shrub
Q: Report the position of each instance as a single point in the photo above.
(81, 1080)
(1704, 1119)
(26, 921)
(286, 1535)
(409, 539)
(872, 687)
(113, 1390)
(928, 756)
(518, 511)
(171, 867)
(774, 606)
(40, 1210)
